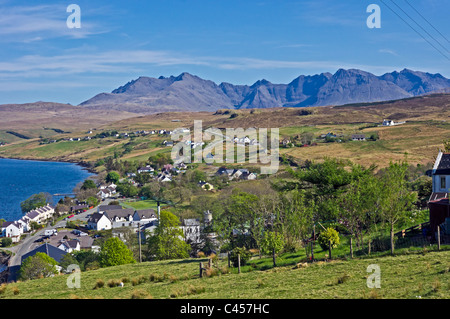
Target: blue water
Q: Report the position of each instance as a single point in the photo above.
(20, 179)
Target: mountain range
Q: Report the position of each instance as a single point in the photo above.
(188, 92)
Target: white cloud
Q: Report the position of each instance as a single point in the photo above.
(392, 52)
(39, 22)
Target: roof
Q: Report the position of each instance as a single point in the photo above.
(440, 197)
(443, 164)
(95, 217)
(107, 208)
(33, 214)
(48, 249)
(146, 213)
(73, 243)
(119, 213)
(191, 222)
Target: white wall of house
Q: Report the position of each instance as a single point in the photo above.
(102, 224)
(439, 181)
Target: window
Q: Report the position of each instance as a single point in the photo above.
(443, 182)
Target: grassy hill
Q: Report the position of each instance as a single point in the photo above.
(426, 128)
(403, 277)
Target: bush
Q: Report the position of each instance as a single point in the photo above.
(245, 256)
(327, 236)
(6, 242)
(140, 294)
(99, 284)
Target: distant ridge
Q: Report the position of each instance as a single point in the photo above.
(188, 92)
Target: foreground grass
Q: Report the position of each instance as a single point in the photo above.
(404, 277)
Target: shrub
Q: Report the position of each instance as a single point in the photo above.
(342, 279)
(99, 284)
(3, 288)
(113, 283)
(134, 282)
(173, 278)
(244, 255)
(15, 290)
(327, 236)
(6, 242)
(140, 294)
(201, 254)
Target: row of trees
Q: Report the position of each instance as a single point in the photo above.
(356, 199)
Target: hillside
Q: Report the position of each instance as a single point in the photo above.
(425, 130)
(188, 92)
(47, 118)
(402, 277)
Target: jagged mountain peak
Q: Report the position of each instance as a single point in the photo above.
(192, 93)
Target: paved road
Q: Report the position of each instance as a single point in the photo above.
(29, 243)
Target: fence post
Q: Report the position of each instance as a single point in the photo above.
(239, 263)
(329, 248)
(210, 262)
(439, 237)
(229, 263)
(201, 270)
(351, 247)
(370, 246)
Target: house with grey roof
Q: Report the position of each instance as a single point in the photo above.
(144, 216)
(47, 249)
(106, 208)
(99, 221)
(70, 245)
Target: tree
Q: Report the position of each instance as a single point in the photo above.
(447, 146)
(67, 260)
(272, 243)
(395, 199)
(160, 159)
(329, 238)
(166, 243)
(88, 184)
(127, 190)
(296, 215)
(86, 259)
(114, 252)
(359, 209)
(37, 266)
(112, 177)
(35, 201)
(92, 201)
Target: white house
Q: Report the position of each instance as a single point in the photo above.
(70, 245)
(12, 230)
(441, 174)
(146, 169)
(392, 123)
(99, 221)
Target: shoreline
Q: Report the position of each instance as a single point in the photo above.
(85, 165)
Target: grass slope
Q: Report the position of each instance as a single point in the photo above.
(404, 277)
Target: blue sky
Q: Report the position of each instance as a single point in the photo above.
(224, 41)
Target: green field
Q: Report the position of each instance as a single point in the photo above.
(142, 204)
(403, 276)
